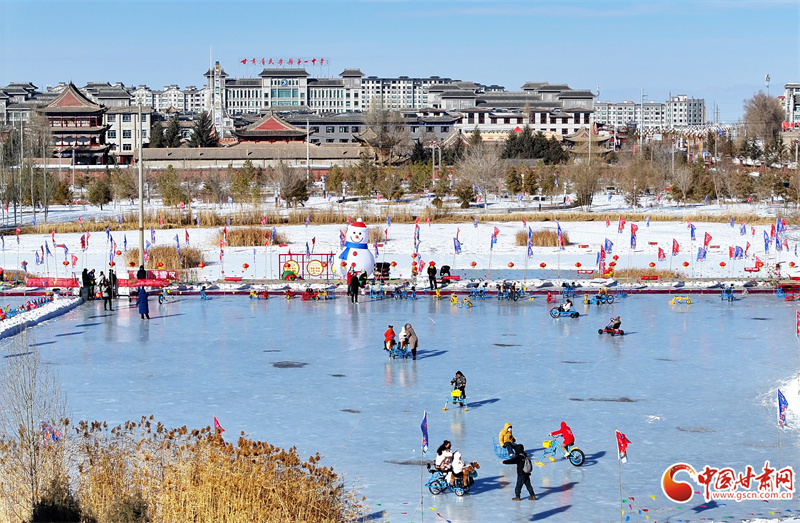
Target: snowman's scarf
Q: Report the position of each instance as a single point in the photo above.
(352, 245)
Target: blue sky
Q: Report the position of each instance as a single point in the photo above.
(717, 50)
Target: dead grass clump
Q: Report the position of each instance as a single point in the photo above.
(663, 274)
(168, 257)
(540, 238)
(251, 237)
(184, 475)
(376, 234)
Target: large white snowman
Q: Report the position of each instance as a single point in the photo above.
(355, 253)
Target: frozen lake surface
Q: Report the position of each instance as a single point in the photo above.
(692, 384)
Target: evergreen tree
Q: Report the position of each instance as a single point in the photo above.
(464, 192)
(554, 153)
(540, 146)
(419, 154)
(169, 184)
(241, 180)
(172, 136)
(475, 139)
(99, 192)
(421, 177)
(156, 134)
(203, 133)
(333, 183)
(513, 181)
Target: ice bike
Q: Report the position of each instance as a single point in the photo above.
(576, 456)
(438, 482)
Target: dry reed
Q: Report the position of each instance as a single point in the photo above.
(183, 475)
(251, 237)
(540, 238)
(190, 258)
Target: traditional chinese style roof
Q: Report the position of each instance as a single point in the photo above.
(271, 128)
(579, 142)
(351, 72)
(72, 101)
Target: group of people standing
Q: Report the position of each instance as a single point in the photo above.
(355, 282)
(101, 287)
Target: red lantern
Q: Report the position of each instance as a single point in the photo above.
(578, 264)
(245, 266)
(65, 263)
(616, 257)
(543, 265)
(652, 265)
(722, 264)
(473, 264)
(791, 264)
(159, 264)
(324, 264)
(201, 265)
(131, 264)
(344, 264)
(119, 253)
(287, 265)
(612, 264)
(414, 264)
(685, 264)
(510, 265)
(414, 255)
(111, 263)
(353, 264)
(393, 264)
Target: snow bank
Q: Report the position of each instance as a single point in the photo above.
(22, 321)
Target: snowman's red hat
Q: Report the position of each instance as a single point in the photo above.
(359, 223)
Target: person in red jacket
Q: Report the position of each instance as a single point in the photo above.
(388, 338)
(569, 438)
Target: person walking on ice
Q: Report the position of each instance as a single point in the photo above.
(524, 469)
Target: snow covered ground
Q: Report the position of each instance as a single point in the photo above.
(437, 244)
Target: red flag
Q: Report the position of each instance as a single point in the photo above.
(608, 222)
(730, 252)
(752, 231)
(428, 219)
(417, 220)
(217, 427)
(706, 240)
(53, 235)
(759, 263)
(496, 232)
(661, 255)
(74, 260)
(524, 223)
(747, 248)
(622, 446)
(80, 222)
(187, 235)
(798, 323)
(83, 241)
(314, 240)
(676, 248)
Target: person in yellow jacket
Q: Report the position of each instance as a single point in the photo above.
(506, 439)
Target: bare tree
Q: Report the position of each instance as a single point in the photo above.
(385, 132)
(763, 116)
(636, 175)
(584, 178)
(292, 184)
(682, 180)
(481, 166)
(33, 405)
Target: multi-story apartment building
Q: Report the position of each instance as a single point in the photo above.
(791, 103)
(125, 134)
(678, 111)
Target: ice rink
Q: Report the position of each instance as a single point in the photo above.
(687, 383)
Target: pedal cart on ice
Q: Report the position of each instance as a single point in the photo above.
(557, 312)
(612, 328)
(438, 482)
(576, 456)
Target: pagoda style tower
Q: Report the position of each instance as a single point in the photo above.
(77, 127)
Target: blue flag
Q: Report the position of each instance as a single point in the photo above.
(457, 245)
(494, 240)
(701, 254)
(742, 229)
(609, 246)
(692, 229)
(388, 221)
(530, 248)
(731, 222)
(152, 235)
(424, 427)
(374, 245)
(706, 200)
(125, 242)
(475, 223)
(766, 242)
(308, 251)
(34, 221)
(782, 406)
(119, 220)
(108, 231)
(647, 221)
(47, 248)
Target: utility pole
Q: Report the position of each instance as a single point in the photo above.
(141, 192)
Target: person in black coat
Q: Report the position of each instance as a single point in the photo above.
(523, 478)
(352, 287)
(141, 274)
(432, 275)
